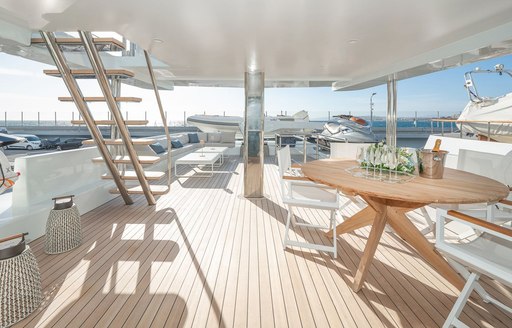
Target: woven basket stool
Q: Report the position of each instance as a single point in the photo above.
(63, 228)
(20, 285)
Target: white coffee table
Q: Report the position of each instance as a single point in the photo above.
(196, 159)
(220, 150)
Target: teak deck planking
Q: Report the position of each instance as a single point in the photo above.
(209, 257)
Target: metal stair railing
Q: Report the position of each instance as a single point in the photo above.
(99, 70)
(83, 108)
(162, 115)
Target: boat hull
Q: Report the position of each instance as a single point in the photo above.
(487, 111)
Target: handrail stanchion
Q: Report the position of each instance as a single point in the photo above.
(442, 129)
(317, 154)
(431, 126)
(461, 123)
(488, 131)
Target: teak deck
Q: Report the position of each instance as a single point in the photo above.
(205, 256)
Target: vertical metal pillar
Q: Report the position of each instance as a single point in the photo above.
(391, 113)
(253, 134)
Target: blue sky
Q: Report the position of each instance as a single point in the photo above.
(23, 87)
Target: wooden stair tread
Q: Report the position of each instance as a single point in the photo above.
(140, 141)
(89, 73)
(126, 159)
(101, 99)
(111, 122)
(131, 175)
(112, 43)
(137, 190)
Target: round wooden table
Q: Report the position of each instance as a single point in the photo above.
(388, 203)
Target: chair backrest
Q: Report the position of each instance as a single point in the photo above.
(494, 166)
(489, 254)
(345, 150)
(284, 161)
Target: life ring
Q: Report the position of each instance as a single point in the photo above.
(359, 120)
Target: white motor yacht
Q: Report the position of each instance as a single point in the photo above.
(484, 116)
(284, 124)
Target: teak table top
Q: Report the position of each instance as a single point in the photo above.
(456, 187)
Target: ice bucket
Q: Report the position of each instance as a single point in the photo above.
(431, 163)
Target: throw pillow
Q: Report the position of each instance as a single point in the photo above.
(193, 138)
(176, 144)
(157, 148)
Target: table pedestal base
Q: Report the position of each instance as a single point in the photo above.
(382, 211)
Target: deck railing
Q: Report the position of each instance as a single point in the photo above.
(462, 122)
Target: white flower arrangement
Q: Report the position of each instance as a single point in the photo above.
(381, 156)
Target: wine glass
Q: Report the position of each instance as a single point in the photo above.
(361, 157)
(392, 161)
(371, 158)
(377, 161)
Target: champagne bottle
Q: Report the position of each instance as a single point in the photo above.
(437, 145)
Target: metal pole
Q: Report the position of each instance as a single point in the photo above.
(38, 118)
(77, 96)
(161, 110)
(371, 110)
(55, 118)
(146, 116)
(488, 131)
(184, 118)
(253, 134)
(21, 118)
(5, 118)
(391, 112)
(317, 152)
(99, 70)
(328, 115)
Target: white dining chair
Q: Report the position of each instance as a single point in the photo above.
(299, 191)
(488, 253)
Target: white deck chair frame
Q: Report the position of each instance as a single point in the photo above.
(471, 265)
(292, 178)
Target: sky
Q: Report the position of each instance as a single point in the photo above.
(24, 88)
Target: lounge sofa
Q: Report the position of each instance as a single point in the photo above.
(189, 141)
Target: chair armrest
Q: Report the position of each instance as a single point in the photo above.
(288, 177)
(506, 202)
(482, 223)
(296, 166)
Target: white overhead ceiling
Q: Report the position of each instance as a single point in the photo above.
(304, 42)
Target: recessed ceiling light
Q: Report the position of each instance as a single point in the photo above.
(158, 41)
(353, 41)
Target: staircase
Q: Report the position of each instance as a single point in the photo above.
(118, 151)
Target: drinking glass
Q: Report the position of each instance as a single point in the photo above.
(378, 160)
(392, 162)
(361, 157)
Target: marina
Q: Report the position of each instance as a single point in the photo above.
(199, 164)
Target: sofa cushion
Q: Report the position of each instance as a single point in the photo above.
(202, 136)
(183, 138)
(176, 144)
(227, 137)
(157, 148)
(193, 138)
(214, 137)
